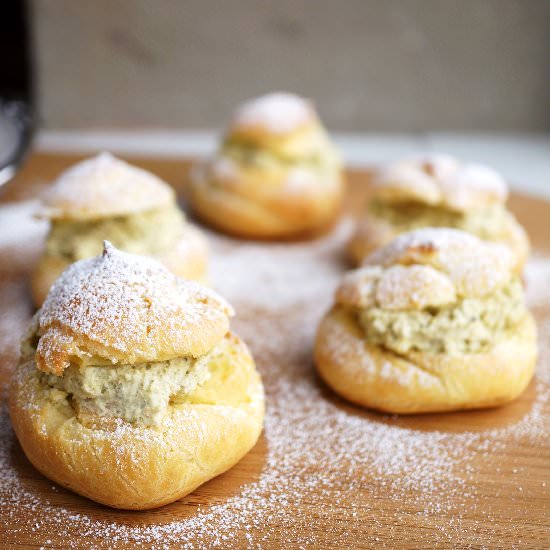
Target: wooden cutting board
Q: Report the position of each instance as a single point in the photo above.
(324, 473)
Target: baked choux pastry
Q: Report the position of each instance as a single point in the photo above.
(275, 175)
(131, 390)
(438, 191)
(434, 321)
(106, 198)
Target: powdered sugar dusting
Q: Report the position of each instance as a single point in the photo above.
(330, 472)
(104, 186)
(18, 224)
(21, 235)
(278, 112)
(471, 184)
(414, 287)
(443, 179)
(21, 241)
(147, 304)
(274, 288)
(474, 266)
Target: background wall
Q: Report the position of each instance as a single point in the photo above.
(371, 65)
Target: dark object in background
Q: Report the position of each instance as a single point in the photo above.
(16, 114)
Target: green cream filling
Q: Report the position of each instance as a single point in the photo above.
(487, 223)
(471, 325)
(136, 393)
(320, 158)
(145, 233)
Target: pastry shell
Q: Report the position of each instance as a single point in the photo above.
(137, 468)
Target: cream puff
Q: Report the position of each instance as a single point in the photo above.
(438, 191)
(275, 175)
(131, 390)
(106, 198)
(434, 321)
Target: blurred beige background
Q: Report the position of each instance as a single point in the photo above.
(371, 65)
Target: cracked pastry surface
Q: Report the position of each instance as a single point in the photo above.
(275, 174)
(438, 191)
(131, 390)
(105, 198)
(434, 321)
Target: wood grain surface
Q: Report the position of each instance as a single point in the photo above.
(502, 502)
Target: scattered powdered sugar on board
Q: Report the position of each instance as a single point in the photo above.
(271, 276)
(21, 241)
(15, 311)
(327, 465)
(21, 233)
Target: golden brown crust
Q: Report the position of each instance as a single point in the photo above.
(399, 287)
(275, 175)
(126, 309)
(443, 183)
(187, 259)
(418, 273)
(373, 377)
(474, 267)
(263, 205)
(372, 233)
(440, 180)
(125, 466)
(103, 187)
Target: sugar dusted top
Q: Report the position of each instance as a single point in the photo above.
(126, 309)
(104, 186)
(441, 180)
(427, 267)
(278, 113)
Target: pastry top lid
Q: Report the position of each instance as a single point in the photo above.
(441, 180)
(427, 267)
(276, 113)
(104, 186)
(125, 309)
(281, 124)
